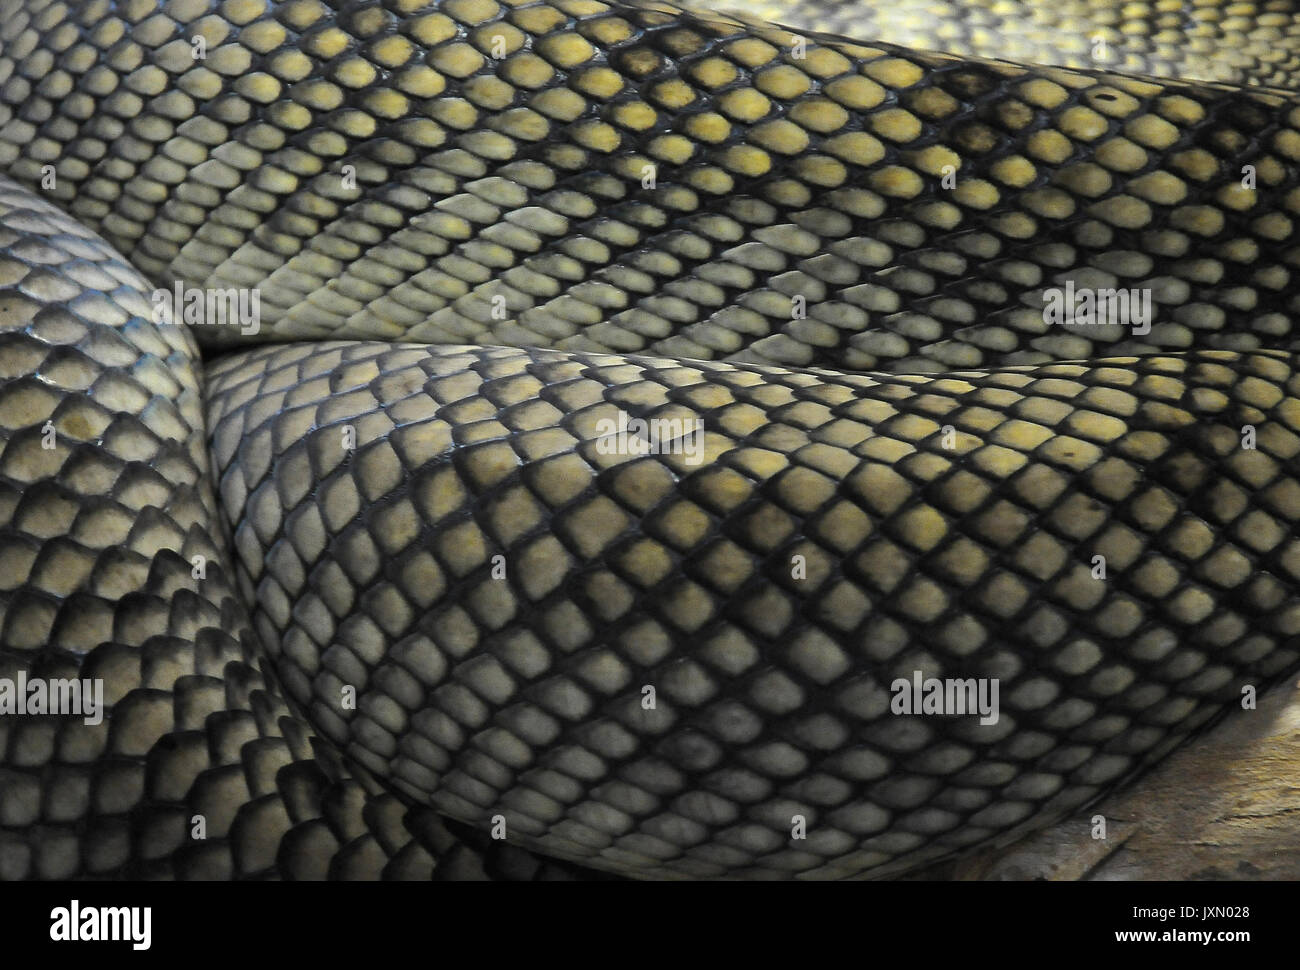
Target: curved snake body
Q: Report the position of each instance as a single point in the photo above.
(382, 571)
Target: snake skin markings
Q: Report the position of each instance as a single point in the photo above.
(565, 438)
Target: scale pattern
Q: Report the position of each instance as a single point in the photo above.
(1209, 40)
(440, 531)
(98, 535)
(757, 213)
(799, 213)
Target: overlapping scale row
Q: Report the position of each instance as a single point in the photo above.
(470, 590)
(592, 177)
(612, 177)
(106, 519)
(1212, 40)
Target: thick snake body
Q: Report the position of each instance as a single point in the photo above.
(375, 598)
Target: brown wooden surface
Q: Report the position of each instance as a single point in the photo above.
(1224, 806)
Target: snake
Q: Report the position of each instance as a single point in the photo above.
(370, 588)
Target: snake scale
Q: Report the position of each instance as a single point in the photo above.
(365, 590)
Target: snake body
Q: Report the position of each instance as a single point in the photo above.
(366, 591)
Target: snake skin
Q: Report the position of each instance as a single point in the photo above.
(97, 545)
(521, 694)
(477, 229)
(1240, 43)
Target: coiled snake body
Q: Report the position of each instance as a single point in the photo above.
(382, 572)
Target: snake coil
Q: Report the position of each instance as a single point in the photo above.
(363, 583)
